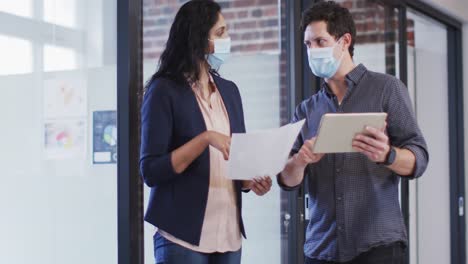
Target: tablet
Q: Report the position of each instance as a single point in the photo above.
(336, 131)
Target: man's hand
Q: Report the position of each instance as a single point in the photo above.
(373, 143)
(259, 186)
(305, 154)
(293, 173)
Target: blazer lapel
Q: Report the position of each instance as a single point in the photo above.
(199, 124)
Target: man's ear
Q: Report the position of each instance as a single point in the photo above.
(347, 39)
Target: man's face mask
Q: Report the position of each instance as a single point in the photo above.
(222, 51)
(322, 62)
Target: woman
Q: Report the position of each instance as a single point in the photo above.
(188, 113)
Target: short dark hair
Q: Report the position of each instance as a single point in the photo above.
(339, 20)
(187, 43)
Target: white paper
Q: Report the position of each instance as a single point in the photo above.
(65, 97)
(261, 153)
(65, 139)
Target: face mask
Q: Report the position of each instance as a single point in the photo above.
(322, 62)
(222, 50)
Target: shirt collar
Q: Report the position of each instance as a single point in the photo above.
(195, 85)
(356, 74)
(352, 79)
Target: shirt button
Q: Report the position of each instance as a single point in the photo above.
(340, 228)
(338, 170)
(339, 198)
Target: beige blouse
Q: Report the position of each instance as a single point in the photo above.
(220, 230)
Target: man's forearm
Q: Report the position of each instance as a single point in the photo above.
(405, 162)
(293, 174)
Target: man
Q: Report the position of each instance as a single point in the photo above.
(355, 215)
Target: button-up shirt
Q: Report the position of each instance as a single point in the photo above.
(354, 202)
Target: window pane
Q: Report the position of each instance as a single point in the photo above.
(59, 58)
(62, 12)
(18, 53)
(17, 7)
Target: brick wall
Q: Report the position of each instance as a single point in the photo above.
(378, 24)
(253, 25)
(370, 24)
(258, 26)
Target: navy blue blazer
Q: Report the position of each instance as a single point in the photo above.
(170, 117)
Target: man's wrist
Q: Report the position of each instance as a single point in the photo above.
(390, 157)
(297, 164)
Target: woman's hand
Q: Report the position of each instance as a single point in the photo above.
(220, 142)
(259, 186)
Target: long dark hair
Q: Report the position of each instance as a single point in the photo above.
(187, 44)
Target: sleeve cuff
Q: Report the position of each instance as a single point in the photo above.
(421, 160)
(157, 170)
(285, 187)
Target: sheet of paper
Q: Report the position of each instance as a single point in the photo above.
(261, 153)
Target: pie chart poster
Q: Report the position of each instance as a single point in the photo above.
(104, 137)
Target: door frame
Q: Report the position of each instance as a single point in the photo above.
(129, 89)
(455, 116)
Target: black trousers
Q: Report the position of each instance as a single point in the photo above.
(389, 254)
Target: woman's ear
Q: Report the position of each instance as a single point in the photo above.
(210, 46)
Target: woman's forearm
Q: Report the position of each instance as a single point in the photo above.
(183, 156)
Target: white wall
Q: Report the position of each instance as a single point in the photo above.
(53, 211)
(455, 8)
(57, 211)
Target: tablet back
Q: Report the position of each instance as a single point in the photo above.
(336, 131)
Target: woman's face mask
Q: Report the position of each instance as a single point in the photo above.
(222, 50)
(322, 61)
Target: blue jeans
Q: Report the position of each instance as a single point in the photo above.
(167, 252)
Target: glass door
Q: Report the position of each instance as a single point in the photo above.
(430, 50)
(376, 47)
(428, 84)
(258, 67)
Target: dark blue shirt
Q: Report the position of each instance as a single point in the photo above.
(354, 202)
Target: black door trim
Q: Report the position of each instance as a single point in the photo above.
(129, 86)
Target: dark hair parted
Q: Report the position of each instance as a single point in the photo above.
(187, 43)
(339, 20)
